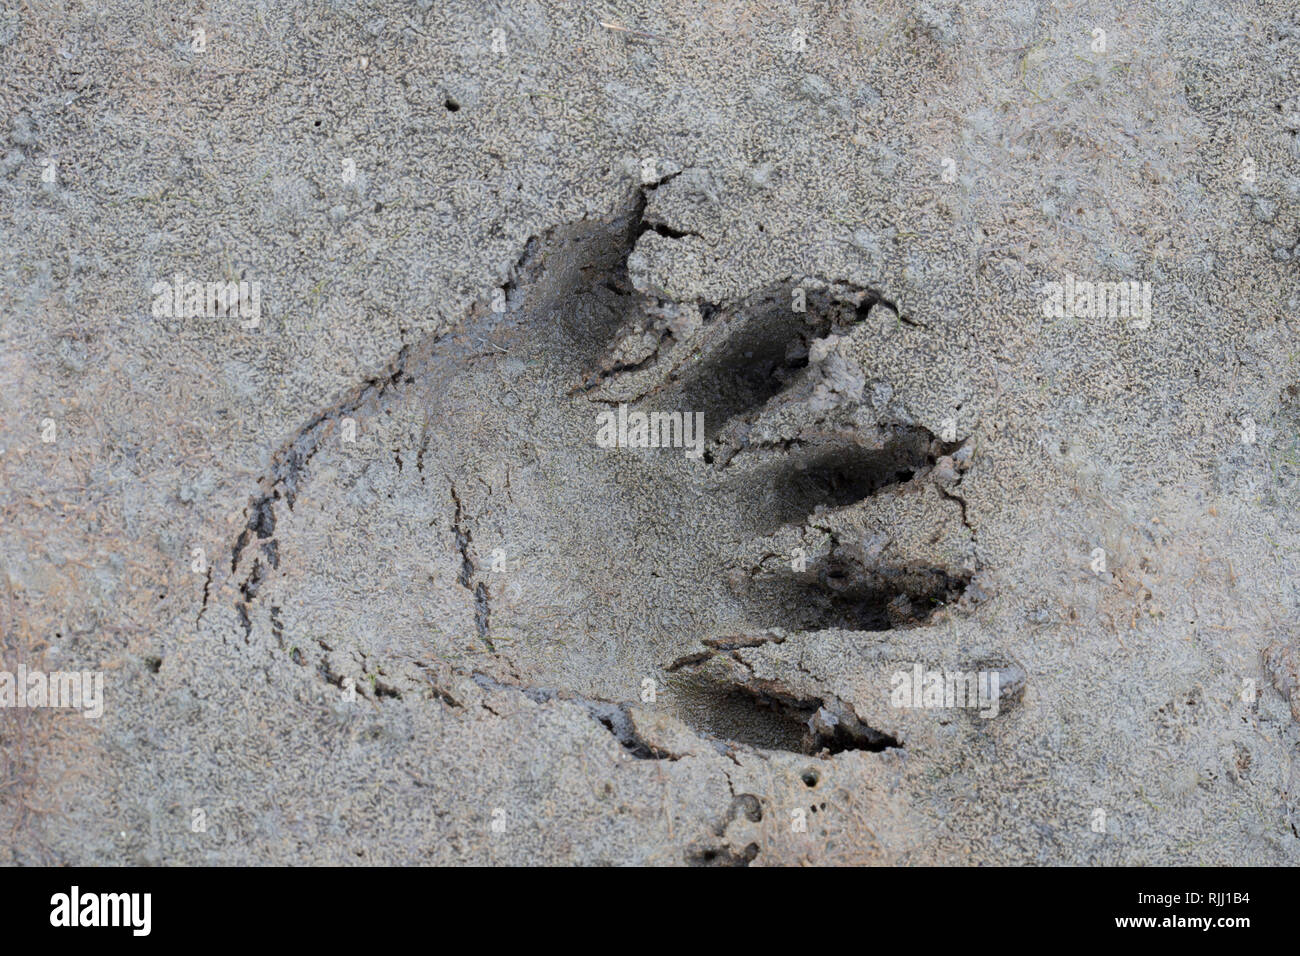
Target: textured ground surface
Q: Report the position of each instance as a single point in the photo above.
(436, 621)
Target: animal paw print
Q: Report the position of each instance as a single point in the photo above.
(599, 493)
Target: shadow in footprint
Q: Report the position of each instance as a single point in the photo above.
(775, 721)
(759, 359)
(833, 477)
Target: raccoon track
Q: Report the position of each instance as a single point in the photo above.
(599, 564)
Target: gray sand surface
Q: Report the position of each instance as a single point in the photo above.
(363, 583)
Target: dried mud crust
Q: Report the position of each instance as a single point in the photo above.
(485, 531)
